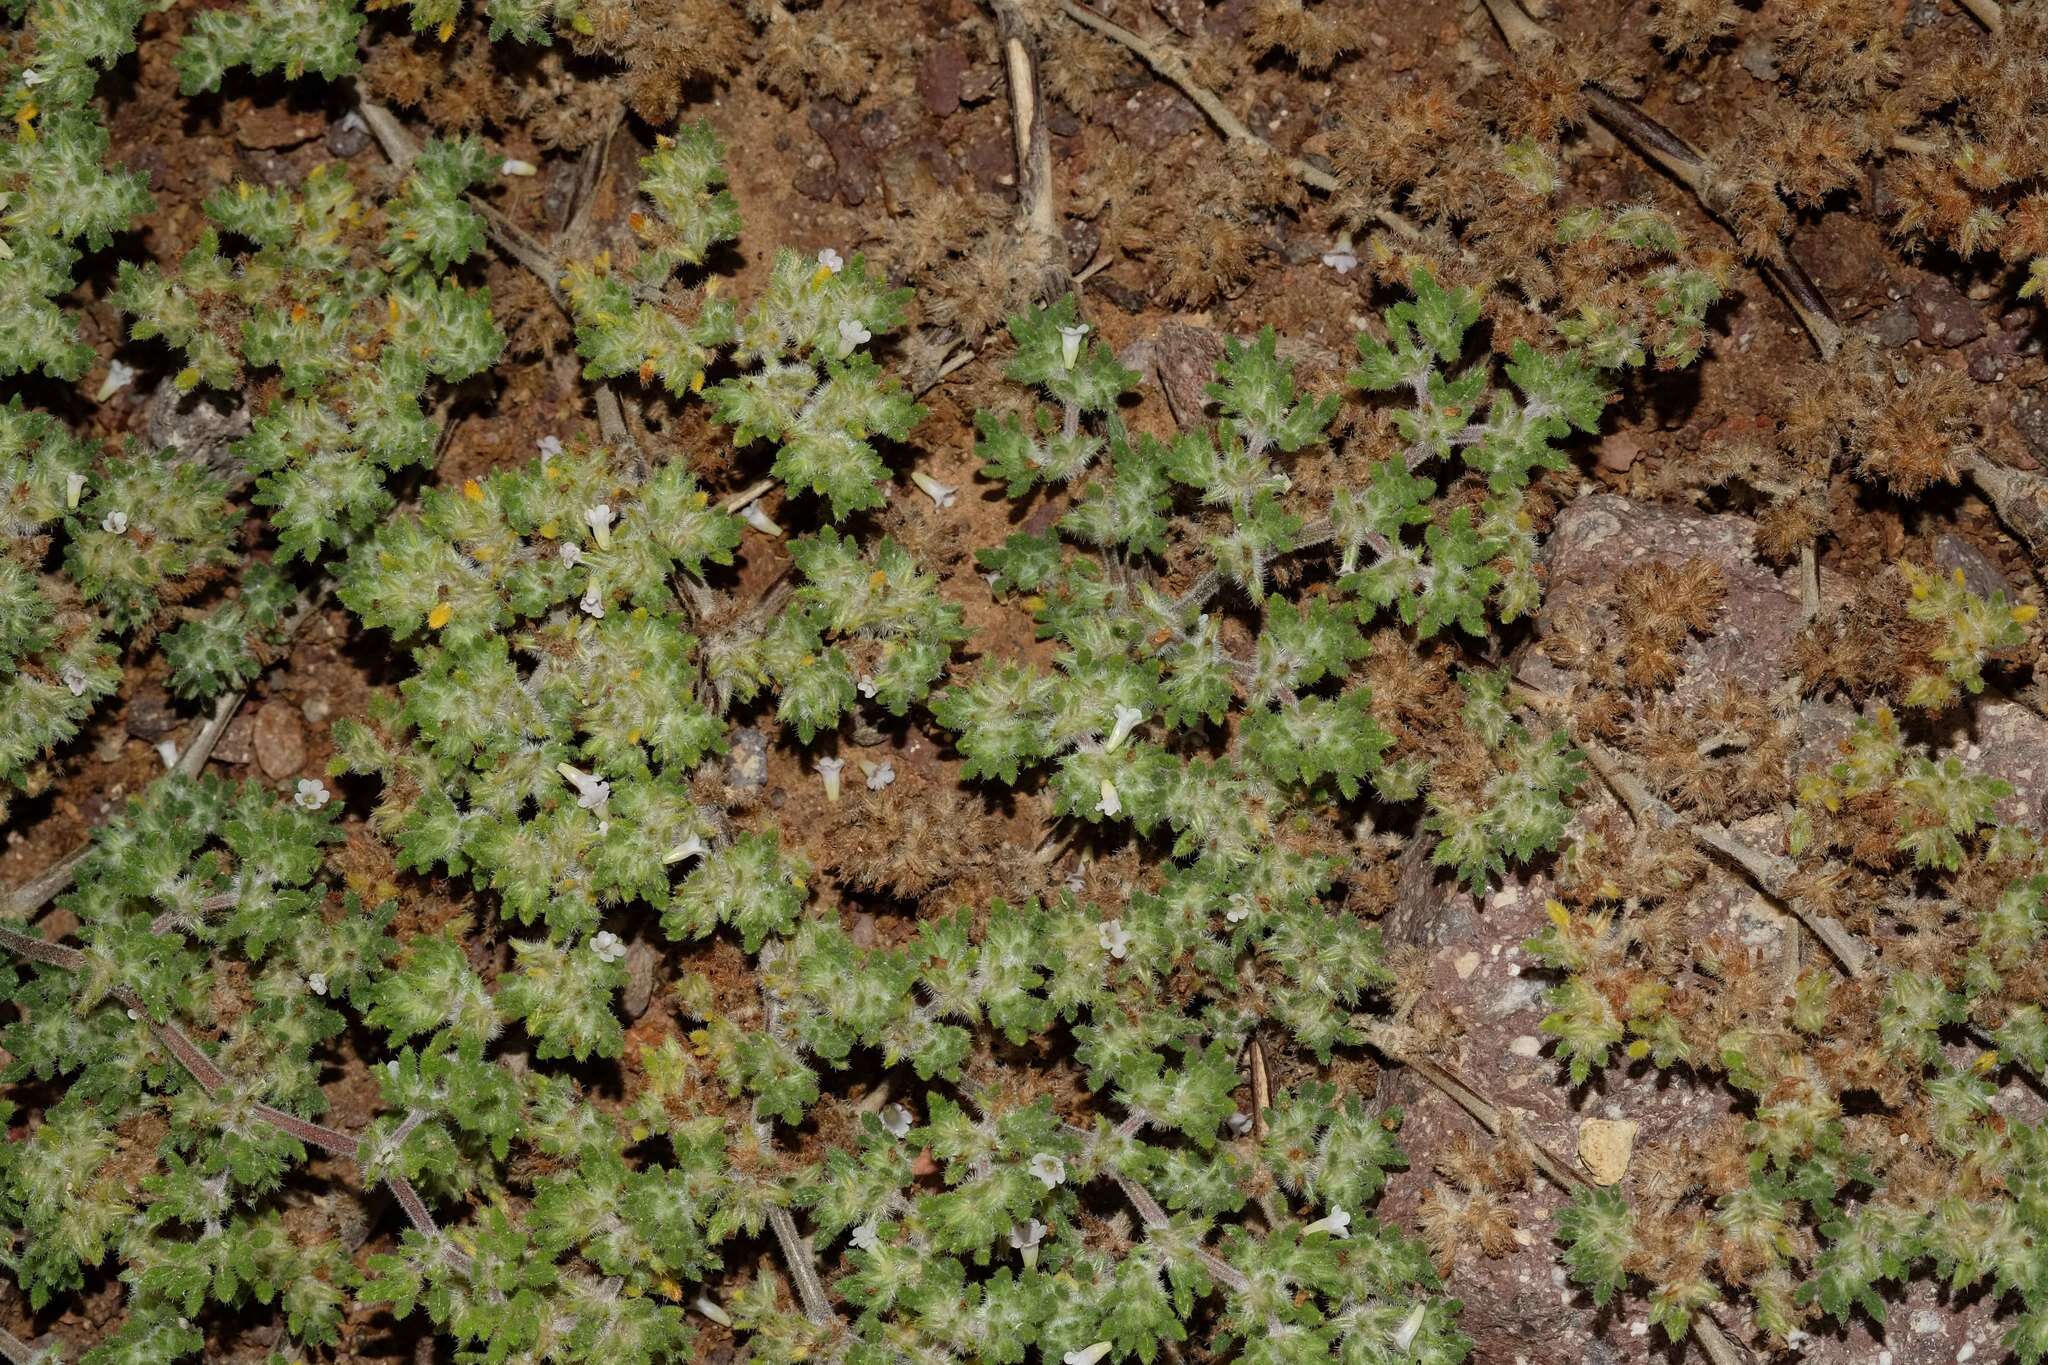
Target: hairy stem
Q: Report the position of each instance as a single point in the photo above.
(15, 1350)
(802, 1265)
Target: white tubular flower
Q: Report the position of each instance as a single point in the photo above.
(692, 847)
(1404, 1335)
(942, 494)
(591, 792)
(549, 447)
(167, 750)
(608, 946)
(830, 261)
(1087, 1355)
(1026, 1235)
(571, 553)
(1115, 939)
(33, 78)
(1336, 1222)
(514, 166)
(74, 484)
(593, 602)
(74, 681)
(119, 377)
(880, 775)
(867, 1237)
(852, 334)
(829, 769)
(1070, 342)
(116, 523)
(1111, 804)
(753, 516)
(599, 519)
(896, 1121)
(1342, 257)
(1240, 908)
(316, 982)
(864, 685)
(1047, 1169)
(1238, 1124)
(1127, 719)
(311, 794)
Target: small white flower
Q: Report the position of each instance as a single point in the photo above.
(119, 377)
(1404, 1335)
(133, 1015)
(864, 685)
(1336, 1222)
(351, 122)
(1115, 939)
(692, 847)
(880, 774)
(593, 602)
(1342, 257)
(829, 769)
(33, 78)
(753, 515)
(943, 494)
(74, 484)
(1127, 718)
(591, 792)
(311, 794)
(549, 447)
(867, 1237)
(167, 750)
(1026, 1235)
(116, 523)
(570, 552)
(74, 680)
(831, 261)
(1111, 804)
(599, 519)
(1070, 342)
(1047, 1169)
(1240, 908)
(852, 334)
(514, 166)
(608, 946)
(896, 1121)
(317, 983)
(1238, 1124)
(392, 1066)
(1087, 1355)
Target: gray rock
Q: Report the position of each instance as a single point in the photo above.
(747, 765)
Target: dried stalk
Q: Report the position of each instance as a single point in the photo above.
(1037, 219)
(2019, 497)
(1686, 164)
